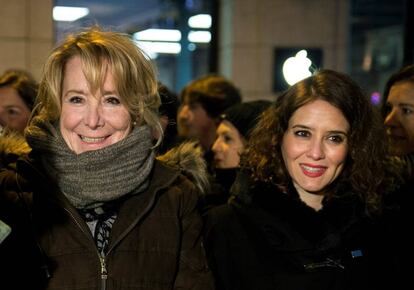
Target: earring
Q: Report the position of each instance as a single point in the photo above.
(134, 124)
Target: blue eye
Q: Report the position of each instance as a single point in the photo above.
(75, 100)
(112, 100)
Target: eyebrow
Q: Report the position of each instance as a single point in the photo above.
(104, 93)
(309, 128)
(13, 106)
(405, 104)
(400, 104)
(74, 91)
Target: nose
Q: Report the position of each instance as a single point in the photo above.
(94, 117)
(184, 112)
(217, 145)
(316, 150)
(392, 119)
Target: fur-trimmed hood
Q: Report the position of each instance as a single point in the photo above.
(12, 146)
(188, 157)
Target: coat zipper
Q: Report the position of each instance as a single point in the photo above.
(104, 273)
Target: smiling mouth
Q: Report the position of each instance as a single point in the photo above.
(91, 139)
(313, 171)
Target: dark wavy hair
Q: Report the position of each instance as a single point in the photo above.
(405, 74)
(363, 171)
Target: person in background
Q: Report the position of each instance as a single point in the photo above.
(90, 207)
(398, 113)
(202, 102)
(18, 91)
(232, 135)
(168, 118)
(308, 196)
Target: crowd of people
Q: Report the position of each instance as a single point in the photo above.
(110, 180)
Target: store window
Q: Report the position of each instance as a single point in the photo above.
(377, 42)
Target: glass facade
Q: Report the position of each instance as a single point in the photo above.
(376, 42)
(379, 42)
(178, 60)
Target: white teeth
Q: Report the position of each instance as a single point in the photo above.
(92, 140)
(311, 169)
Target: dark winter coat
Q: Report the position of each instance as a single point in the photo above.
(266, 239)
(398, 218)
(155, 241)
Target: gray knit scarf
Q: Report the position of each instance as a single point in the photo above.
(93, 178)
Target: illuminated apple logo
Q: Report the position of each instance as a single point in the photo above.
(296, 68)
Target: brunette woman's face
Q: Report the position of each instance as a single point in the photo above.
(399, 120)
(14, 113)
(315, 146)
(228, 146)
(91, 121)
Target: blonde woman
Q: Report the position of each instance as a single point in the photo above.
(93, 208)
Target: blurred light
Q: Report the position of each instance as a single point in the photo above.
(191, 47)
(64, 13)
(296, 68)
(189, 4)
(200, 21)
(155, 34)
(199, 36)
(152, 48)
(367, 62)
(375, 98)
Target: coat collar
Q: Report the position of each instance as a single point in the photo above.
(267, 204)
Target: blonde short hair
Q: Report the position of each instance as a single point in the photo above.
(133, 72)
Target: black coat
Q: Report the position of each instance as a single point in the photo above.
(398, 219)
(265, 239)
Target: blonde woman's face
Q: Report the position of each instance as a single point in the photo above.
(228, 146)
(91, 121)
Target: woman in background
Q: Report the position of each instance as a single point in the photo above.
(232, 134)
(398, 111)
(18, 91)
(398, 114)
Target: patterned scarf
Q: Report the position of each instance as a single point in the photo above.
(93, 178)
(100, 221)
